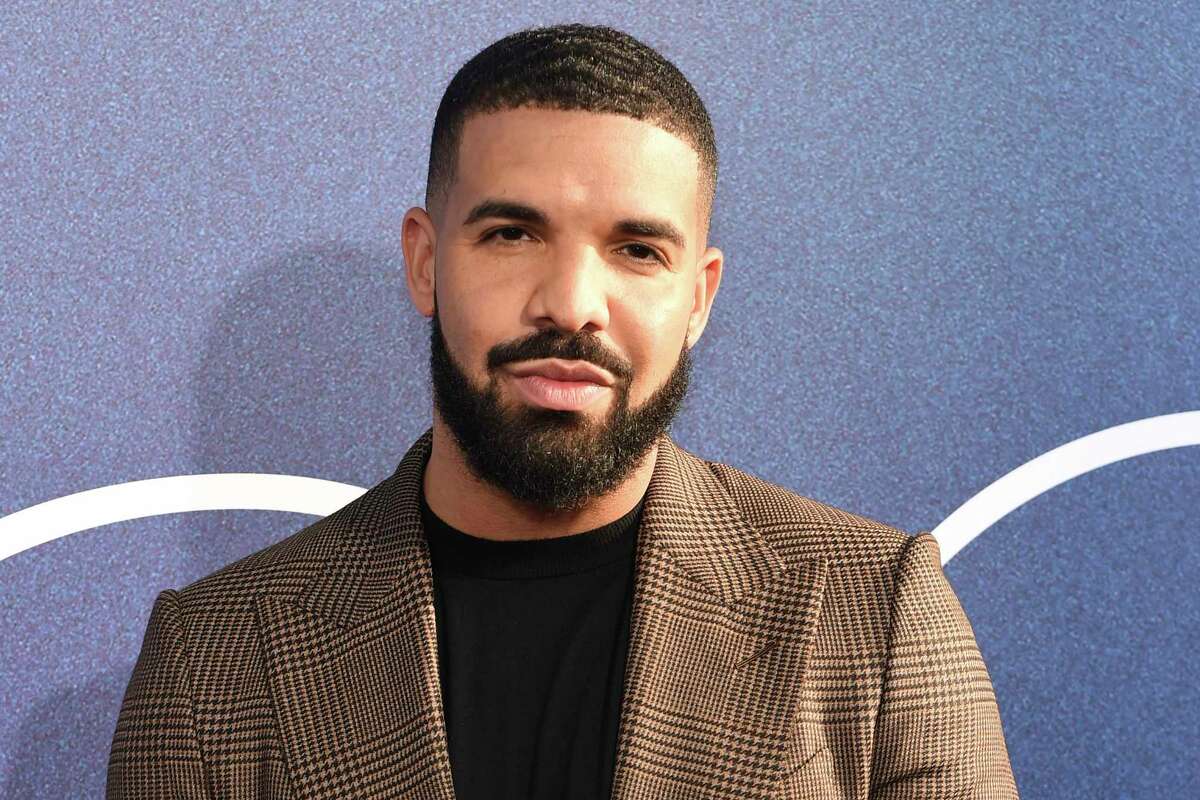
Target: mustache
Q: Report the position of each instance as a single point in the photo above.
(549, 343)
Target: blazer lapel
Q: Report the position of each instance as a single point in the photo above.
(720, 634)
(352, 662)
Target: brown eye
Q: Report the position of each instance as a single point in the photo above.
(641, 252)
(508, 233)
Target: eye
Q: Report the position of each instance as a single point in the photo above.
(643, 252)
(508, 233)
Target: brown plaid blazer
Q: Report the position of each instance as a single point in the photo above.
(780, 648)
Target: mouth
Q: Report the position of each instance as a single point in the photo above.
(561, 371)
(558, 395)
(560, 385)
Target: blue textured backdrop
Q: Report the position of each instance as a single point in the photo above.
(957, 236)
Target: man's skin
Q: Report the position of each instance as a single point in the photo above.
(501, 279)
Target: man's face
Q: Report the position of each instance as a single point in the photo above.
(571, 236)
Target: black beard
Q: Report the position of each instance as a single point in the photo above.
(553, 460)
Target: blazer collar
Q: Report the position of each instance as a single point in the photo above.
(719, 638)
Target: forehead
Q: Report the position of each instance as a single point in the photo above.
(577, 162)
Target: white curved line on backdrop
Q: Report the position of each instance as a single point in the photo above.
(82, 511)
(1059, 466)
(250, 491)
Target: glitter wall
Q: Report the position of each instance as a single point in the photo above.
(957, 236)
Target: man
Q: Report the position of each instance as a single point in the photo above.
(549, 597)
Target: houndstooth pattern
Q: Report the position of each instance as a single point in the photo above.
(780, 648)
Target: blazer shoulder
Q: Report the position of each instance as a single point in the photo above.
(800, 527)
(282, 568)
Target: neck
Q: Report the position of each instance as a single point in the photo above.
(465, 502)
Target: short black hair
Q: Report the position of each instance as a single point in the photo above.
(572, 67)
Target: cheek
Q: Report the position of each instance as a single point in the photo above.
(663, 323)
(474, 316)
(486, 297)
(467, 334)
(655, 339)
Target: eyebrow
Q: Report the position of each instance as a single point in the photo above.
(504, 209)
(654, 229)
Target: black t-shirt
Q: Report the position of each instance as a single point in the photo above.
(532, 639)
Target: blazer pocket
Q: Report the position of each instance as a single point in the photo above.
(811, 777)
(792, 766)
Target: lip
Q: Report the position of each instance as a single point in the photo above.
(557, 370)
(558, 395)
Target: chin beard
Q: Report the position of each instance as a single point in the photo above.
(551, 460)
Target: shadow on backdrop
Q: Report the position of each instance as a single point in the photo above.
(323, 333)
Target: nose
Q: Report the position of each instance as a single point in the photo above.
(572, 292)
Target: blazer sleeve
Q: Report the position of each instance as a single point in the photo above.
(938, 731)
(155, 753)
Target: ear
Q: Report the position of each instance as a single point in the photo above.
(418, 238)
(708, 279)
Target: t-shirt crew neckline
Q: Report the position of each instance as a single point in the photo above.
(464, 554)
